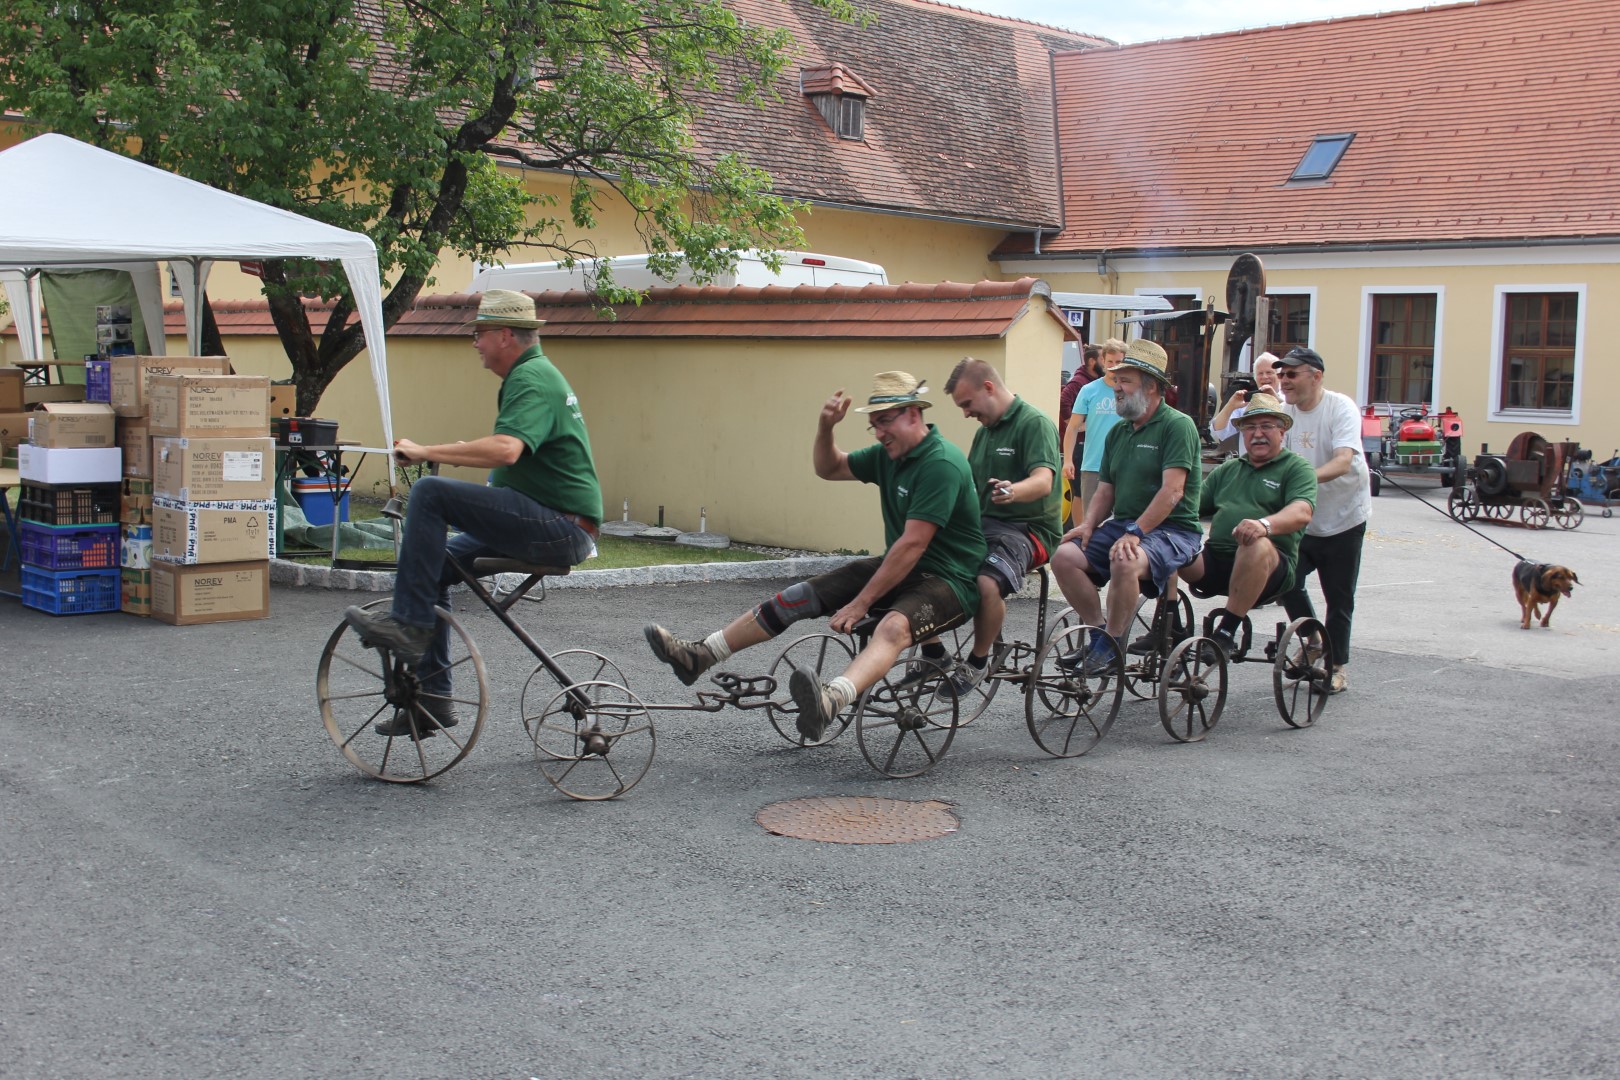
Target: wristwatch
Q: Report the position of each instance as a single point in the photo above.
(1267, 523)
(1136, 530)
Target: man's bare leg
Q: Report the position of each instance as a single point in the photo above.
(1070, 568)
(819, 702)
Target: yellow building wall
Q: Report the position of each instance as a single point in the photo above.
(719, 425)
(1468, 334)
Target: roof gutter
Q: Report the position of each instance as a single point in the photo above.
(1103, 255)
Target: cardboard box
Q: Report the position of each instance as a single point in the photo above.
(136, 587)
(213, 470)
(135, 547)
(13, 430)
(130, 374)
(11, 389)
(218, 592)
(59, 465)
(212, 406)
(213, 532)
(38, 395)
(283, 400)
(135, 440)
(64, 424)
(136, 508)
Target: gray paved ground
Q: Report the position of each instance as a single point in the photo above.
(196, 884)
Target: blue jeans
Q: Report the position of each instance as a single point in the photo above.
(494, 523)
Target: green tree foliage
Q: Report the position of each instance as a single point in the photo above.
(389, 117)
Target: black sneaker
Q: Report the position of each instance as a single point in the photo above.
(921, 670)
(966, 677)
(381, 628)
(1224, 643)
(1142, 645)
(688, 659)
(815, 705)
(430, 714)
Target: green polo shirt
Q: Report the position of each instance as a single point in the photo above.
(539, 409)
(1240, 489)
(932, 483)
(1134, 460)
(1024, 439)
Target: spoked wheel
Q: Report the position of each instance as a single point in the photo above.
(359, 687)
(825, 654)
(594, 741)
(1569, 513)
(1192, 689)
(1534, 513)
(959, 642)
(1463, 505)
(904, 730)
(1302, 674)
(1142, 669)
(580, 665)
(1067, 712)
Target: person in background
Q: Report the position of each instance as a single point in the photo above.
(1221, 426)
(1094, 412)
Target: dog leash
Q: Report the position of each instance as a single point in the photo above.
(1447, 515)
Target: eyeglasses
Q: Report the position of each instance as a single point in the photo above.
(1289, 372)
(1263, 426)
(885, 419)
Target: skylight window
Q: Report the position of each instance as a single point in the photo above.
(1322, 157)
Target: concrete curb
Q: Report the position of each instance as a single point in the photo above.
(286, 572)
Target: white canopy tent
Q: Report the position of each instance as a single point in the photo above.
(74, 206)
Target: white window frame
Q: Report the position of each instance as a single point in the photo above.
(1493, 392)
(1299, 290)
(1363, 393)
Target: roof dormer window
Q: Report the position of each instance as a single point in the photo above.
(1322, 157)
(839, 96)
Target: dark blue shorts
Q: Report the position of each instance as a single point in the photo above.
(1168, 550)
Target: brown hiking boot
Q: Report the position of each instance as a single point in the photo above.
(688, 659)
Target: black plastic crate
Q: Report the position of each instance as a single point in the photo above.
(69, 504)
(305, 433)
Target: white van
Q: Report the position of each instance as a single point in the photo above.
(630, 271)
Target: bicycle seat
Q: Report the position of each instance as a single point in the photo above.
(486, 567)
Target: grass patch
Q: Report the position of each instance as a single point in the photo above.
(612, 553)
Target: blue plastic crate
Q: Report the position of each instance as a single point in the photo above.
(70, 592)
(68, 547)
(97, 380)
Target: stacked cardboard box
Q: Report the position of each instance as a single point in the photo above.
(135, 523)
(67, 538)
(213, 498)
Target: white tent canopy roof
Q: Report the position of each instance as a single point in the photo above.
(76, 206)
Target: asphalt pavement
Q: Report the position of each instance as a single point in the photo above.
(196, 884)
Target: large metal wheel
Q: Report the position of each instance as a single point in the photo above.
(1569, 513)
(594, 741)
(580, 665)
(358, 686)
(1068, 713)
(1463, 504)
(1142, 670)
(1534, 512)
(1192, 689)
(1302, 675)
(825, 654)
(904, 730)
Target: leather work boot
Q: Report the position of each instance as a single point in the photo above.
(430, 714)
(688, 659)
(405, 641)
(816, 708)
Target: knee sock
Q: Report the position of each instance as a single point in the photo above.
(1230, 623)
(716, 644)
(978, 661)
(934, 650)
(842, 692)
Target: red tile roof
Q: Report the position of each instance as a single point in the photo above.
(1496, 120)
(987, 309)
(958, 126)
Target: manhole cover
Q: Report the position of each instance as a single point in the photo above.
(858, 819)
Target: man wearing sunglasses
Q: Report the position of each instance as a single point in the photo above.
(1327, 433)
(1259, 504)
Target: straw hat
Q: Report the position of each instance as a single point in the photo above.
(894, 390)
(1263, 404)
(1148, 356)
(503, 307)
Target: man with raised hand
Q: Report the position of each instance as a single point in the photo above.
(922, 584)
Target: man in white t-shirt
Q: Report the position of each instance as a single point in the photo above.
(1327, 433)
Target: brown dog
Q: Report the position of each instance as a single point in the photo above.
(1541, 583)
